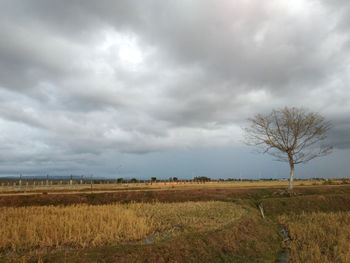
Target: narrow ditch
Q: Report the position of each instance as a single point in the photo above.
(163, 235)
(284, 255)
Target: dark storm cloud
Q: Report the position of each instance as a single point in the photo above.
(89, 79)
(339, 134)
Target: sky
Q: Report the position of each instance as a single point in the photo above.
(163, 88)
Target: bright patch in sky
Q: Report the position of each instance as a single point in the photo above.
(129, 53)
(304, 9)
(123, 45)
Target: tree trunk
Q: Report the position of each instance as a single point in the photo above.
(291, 178)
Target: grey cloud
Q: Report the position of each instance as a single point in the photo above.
(339, 134)
(204, 68)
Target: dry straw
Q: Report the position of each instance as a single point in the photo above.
(319, 237)
(27, 228)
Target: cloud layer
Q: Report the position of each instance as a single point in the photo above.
(83, 81)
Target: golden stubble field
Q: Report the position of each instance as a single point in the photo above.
(318, 237)
(81, 226)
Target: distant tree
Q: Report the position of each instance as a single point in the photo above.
(133, 181)
(175, 179)
(202, 179)
(291, 135)
(120, 180)
(153, 179)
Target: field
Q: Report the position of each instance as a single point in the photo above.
(29, 186)
(176, 222)
(25, 228)
(319, 237)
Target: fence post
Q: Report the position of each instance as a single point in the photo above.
(20, 182)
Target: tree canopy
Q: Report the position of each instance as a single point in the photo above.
(291, 135)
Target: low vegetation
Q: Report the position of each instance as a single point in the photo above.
(205, 224)
(26, 228)
(318, 237)
(28, 187)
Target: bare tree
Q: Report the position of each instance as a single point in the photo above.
(291, 135)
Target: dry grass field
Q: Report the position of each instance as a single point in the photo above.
(10, 188)
(176, 222)
(318, 237)
(27, 228)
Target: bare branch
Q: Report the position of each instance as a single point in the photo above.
(289, 133)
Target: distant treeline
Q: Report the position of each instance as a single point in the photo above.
(54, 180)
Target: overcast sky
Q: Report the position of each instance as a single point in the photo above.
(162, 88)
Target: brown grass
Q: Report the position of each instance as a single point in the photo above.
(82, 226)
(325, 202)
(248, 239)
(203, 194)
(112, 186)
(319, 237)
